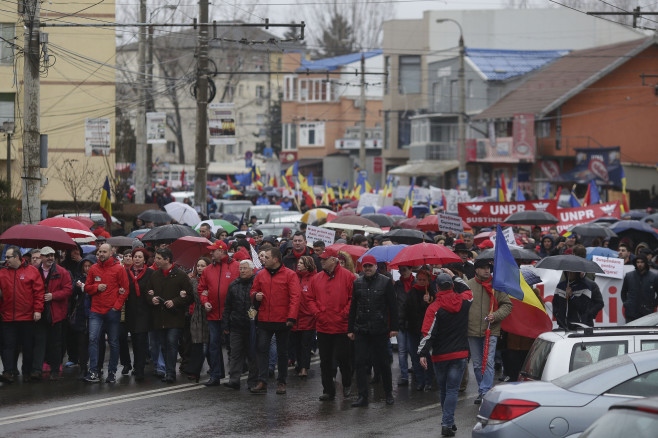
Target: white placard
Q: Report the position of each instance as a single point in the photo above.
(509, 237)
(221, 123)
(97, 137)
(450, 223)
(368, 200)
(155, 128)
(613, 267)
(313, 234)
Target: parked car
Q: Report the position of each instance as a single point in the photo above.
(556, 353)
(566, 406)
(180, 196)
(237, 208)
(283, 216)
(636, 418)
(277, 228)
(261, 212)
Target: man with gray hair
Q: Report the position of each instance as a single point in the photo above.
(238, 320)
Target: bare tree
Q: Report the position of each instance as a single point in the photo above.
(79, 179)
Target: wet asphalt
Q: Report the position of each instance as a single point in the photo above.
(72, 408)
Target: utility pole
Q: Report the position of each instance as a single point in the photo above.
(141, 166)
(362, 148)
(150, 103)
(31, 136)
(462, 105)
(201, 171)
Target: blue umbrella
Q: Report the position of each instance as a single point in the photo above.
(367, 210)
(600, 251)
(383, 253)
(636, 230)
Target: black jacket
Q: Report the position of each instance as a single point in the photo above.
(237, 304)
(290, 260)
(401, 296)
(374, 309)
(169, 288)
(138, 308)
(582, 307)
(415, 308)
(639, 294)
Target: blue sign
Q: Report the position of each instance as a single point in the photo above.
(268, 152)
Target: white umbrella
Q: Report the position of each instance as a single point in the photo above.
(183, 213)
(363, 228)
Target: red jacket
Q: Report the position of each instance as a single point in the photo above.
(59, 284)
(330, 300)
(22, 293)
(305, 316)
(113, 274)
(215, 279)
(281, 290)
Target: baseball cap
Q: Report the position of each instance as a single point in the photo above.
(369, 260)
(329, 252)
(47, 250)
(218, 244)
(443, 281)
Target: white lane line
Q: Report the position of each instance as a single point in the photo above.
(428, 407)
(98, 403)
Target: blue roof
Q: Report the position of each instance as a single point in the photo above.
(498, 65)
(331, 64)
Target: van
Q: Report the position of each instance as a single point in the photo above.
(261, 212)
(236, 208)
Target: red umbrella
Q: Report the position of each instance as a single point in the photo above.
(410, 223)
(479, 238)
(347, 212)
(75, 229)
(37, 236)
(87, 222)
(188, 249)
(431, 223)
(353, 250)
(424, 253)
(485, 354)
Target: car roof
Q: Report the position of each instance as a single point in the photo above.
(624, 330)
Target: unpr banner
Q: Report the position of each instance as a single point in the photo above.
(492, 213)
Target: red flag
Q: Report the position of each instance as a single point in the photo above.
(182, 178)
(588, 196)
(230, 183)
(557, 194)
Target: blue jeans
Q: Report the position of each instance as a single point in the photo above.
(155, 350)
(169, 340)
(476, 345)
(110, 321)
(449, 375)
(215, 350)
(402, 354)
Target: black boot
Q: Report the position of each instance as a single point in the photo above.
(360, 402)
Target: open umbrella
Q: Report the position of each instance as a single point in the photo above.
(380, 219)
(390, 210)
(216, 224)
(168, 233)
(652, 220)
(570, 263)
(316, 214)
(347, 212)
(592, 230)
(120, 241)
(188, 249)
(517, 253)
(481, 237)
(76, 230)
(232, 192)
(155, 216)
(37, 236)
(635, 214)
(431, 223)
(531, 217)
(353, 223)
(354, 251)
(368, 209)
(600, 251)
(383, 253)
(424, 253)
(636, 231)
(140, 232)
(183, 213)
(87, 222)
(408, 237)
(230, 217)
(606, 221)
(409, 223)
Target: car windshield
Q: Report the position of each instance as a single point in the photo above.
(235, 208)
(261, 213)
(578, 376)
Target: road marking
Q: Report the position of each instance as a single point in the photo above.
(98, 403)
(428, 407)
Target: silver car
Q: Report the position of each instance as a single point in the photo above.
(566, 406)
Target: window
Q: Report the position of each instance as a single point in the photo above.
(314, 90)
(289, 136)
(230, 91)
(535, 361)
(6, 107)
(409, 74)
(229, 149)
(645, 385)
(171, 147)
(260, 91)
(648, 345)
(7, 32)
(240, 148)
(311, 134)
(260, 119)
(387, 67)
(404, 130)
(290, 88)
(583, 354)
(279, 64)
(436, 95)
(241, 90)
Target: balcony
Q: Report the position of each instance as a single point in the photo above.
(443, 151)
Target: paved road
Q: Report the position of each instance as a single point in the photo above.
(70, 408)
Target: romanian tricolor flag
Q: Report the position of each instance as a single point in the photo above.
(292, 171)
(528, 317)
(566, 234)
(500, 190)
(409, 201)
(106, 203)
(625, 208)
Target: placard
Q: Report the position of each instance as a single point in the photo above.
(448, 222)
(97, 137)
(613, 267)
(326, 235)
(221, 123)
(508, 232)
(155, 128)
(369, 200)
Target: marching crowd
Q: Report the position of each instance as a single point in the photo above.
(270, 301)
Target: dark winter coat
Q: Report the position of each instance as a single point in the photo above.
(583, 305)
(169, 288)
(415, 307)
(374, 309)
(291, 260)
(639, 294)
(238, 303)
(401, 296)
(138, 308)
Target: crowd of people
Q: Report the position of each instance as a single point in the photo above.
(270, 302)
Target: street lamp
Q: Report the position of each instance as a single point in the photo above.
(462, 95)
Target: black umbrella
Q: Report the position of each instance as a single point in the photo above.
(408, 237)
(120, 241)
(168, 233)
(380, 219)
(155, 216)
(231, 218)
(531, 217)
(637, 231)
(652, 220)
(517, 253)
(605, 221)
(570, 263)
(593, 230)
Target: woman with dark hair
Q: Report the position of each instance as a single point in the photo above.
(138, 309)
(302, 333)
(199, 331)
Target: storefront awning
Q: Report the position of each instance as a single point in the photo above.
(425, 168)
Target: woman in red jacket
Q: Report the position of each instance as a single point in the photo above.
(303, 332)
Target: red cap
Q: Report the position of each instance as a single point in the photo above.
(251, 241)
(486, 244)
(329, 252)
(369, 260)
(219, 244)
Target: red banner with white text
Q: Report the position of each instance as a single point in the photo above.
(582, 215)
(491, 213)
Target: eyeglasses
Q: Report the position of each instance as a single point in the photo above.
(10, 256)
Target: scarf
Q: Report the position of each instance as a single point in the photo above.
(487, 285)
(298, 255)
(135, 279)
(168, 271)
(407, 282)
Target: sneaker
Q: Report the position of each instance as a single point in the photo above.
(70, 364)
(478, 400)
(111, 378)
(447, 431)
(126, 370)
(92, 378)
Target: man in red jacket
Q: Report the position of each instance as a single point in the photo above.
(48, 330)
(21, 304)
(329, 300)
(276, 292)
(212, 290)
(107, 283)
